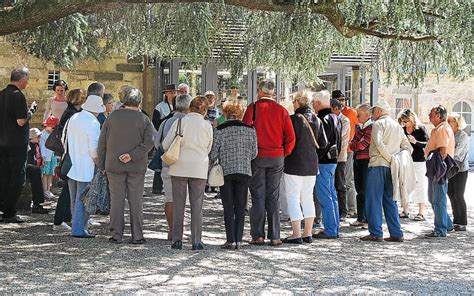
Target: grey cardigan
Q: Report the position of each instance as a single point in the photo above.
(125, 131)
(235, 145)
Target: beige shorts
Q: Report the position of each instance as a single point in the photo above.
(167, 184)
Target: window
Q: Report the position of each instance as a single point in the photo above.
(401, 104)
(464, 109)
(53, 76)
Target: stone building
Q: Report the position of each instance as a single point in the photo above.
(151, 76)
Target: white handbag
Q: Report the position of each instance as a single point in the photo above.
(172, 154)
(216, 176)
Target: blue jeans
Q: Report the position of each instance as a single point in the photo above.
(326, 193)
(437, 197)
(80, 218)
(378, 195)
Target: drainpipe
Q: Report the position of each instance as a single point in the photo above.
(145, 82)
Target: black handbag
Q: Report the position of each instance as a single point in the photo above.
(65, 163)
(54, 142)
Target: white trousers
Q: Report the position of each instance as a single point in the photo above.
(299, 196)
(421, 190)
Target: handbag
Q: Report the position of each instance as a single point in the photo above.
(54, 142)
(172, 154)
(65, 164)
(96, 195)
(216, 176)
(155, 163)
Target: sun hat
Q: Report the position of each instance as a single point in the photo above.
(34, 132)
(382, 105)
(94, 104)
(209, 92)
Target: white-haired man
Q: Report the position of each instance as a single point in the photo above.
(325, 189)
(388, 139)
(276, 139)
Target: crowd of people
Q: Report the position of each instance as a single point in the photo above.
(311, 167)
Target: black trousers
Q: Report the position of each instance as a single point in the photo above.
(265, 186)
(63, 207)
(361, 167)
(234, 200)
(157, 183)
(12, 177)
(317, 206)
(33, 174)
(456, 187)
(340, 184)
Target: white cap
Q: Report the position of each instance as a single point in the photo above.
(382, 105)
(94, 104)
(209, 92)
(322, 96)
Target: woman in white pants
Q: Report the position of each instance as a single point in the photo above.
(301, 167)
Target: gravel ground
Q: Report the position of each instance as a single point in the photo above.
(34, 259)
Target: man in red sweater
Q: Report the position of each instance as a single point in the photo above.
(275, 139)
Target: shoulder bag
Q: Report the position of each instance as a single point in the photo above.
(172, 154)
(306, 122)
(65, 164)
(54, 143)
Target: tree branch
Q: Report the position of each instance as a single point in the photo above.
(40, 12)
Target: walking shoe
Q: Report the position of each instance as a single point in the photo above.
(451, 229)
(458, 227)
(275, 242)
(351, 215)
(49, 195)
(228, 246)
(358, 224)
(62, 227)
(296, 240)
(258, 241)
(394, 239)
(86, 235)
(317, 225)
(93, 223)
(138, 241)
(371, 238)
(238, 245)
(434, 234)
(38, 209)
(342, 219)
(308, 239)
(177, 245)
(322, 235)
(14, 219)
(198, 247)
(114, 241)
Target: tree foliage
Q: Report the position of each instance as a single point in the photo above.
(295, 37)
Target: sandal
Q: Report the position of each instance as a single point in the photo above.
(404, 215)
(419, 217)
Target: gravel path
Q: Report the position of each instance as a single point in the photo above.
(34, 259)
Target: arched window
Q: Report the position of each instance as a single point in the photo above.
(464, 109)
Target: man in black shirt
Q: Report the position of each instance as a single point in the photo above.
(14, 131)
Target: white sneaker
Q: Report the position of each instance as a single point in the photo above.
(93, 223)
(49, 195)
(62, 227)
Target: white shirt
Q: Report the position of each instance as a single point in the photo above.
(164, 108)
(45, 152)
(196, 144)
(83, 130)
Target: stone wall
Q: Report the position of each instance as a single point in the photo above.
(114, 72)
